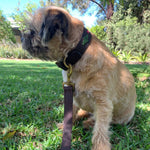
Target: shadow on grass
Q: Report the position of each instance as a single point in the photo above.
(138, 69)
(136, 134)
(30, 101)
(31, 98)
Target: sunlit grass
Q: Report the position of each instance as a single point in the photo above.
(31, 103)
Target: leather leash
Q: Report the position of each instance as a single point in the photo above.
(68, 113)
(68, 110)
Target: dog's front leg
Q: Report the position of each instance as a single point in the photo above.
(103, 117)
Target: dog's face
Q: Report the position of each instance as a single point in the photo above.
(31, 42)
(52, 33)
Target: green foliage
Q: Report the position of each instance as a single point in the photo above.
(125, 56)
(21, 17)
(31, 103)
(82, 6)
(137, 8)
(126, 34)
(6, 33)
(98, 31)
(122, 47)
(123, 34)
(142, 57)
(115, 52)
(146, 16)
(13, 51)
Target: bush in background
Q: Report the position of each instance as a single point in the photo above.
(11, 50)
(128, 35)
(8, 46)
(6, 33)
(125, 36)
(99, 32)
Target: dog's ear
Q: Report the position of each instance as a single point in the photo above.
(52, 23)
(62, 19)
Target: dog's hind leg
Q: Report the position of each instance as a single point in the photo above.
(89, 123)
(81, 114)
(103, 117)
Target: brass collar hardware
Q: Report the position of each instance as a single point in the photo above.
(69, 73)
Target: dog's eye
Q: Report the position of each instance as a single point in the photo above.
(32, 32)
(43, 25)
(56, 27)
(41, 31)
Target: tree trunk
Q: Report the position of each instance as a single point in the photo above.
(110, 10)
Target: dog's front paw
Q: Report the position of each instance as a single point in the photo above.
(100, 142)
(101, 146)
(60, 126)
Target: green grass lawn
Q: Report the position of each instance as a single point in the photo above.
(31, 104)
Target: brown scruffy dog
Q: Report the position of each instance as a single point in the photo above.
(103, 85)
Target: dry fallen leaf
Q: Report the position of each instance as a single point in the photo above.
(8, 135)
